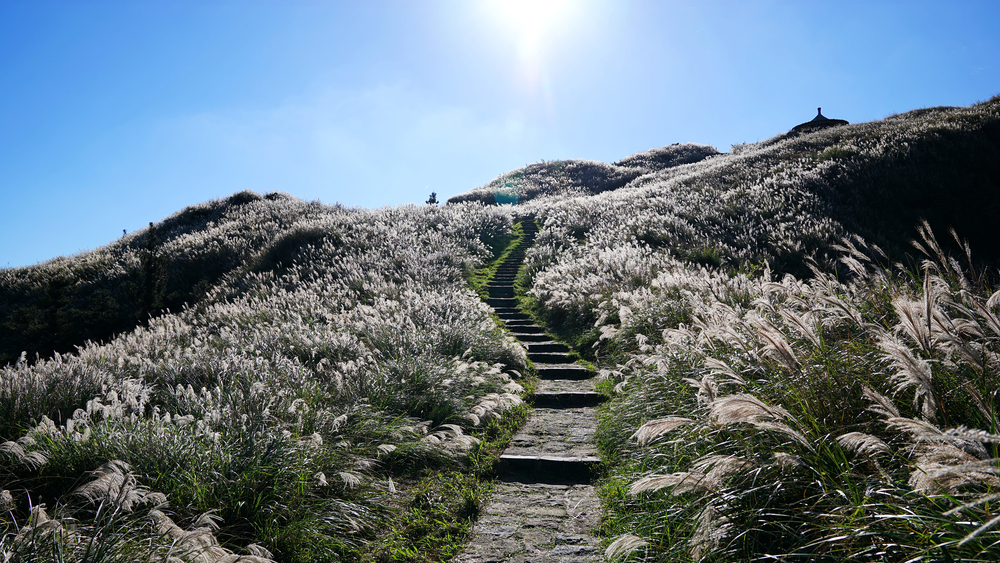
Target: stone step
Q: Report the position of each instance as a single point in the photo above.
(506, 310)
(519, 322)
(550, 346)
(501, 302)
(500, 291)
(571, 386)
(515, 315)
(562, 400)
(539, 522)
(548, 357)
(526, 338)
(554, 445)
(548, 469)
(501, 284)
(527, 329)
(563, 371)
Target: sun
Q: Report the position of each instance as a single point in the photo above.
(531, 22)
(533, 28)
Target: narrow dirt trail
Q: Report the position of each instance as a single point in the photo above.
(545, 508)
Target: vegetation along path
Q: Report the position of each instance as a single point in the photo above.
(544, 508)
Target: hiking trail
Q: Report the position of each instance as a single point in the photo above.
(544, 508)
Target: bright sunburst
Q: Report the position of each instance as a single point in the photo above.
(531, 22)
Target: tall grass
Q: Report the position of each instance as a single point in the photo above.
(811, 419)
(342, 350)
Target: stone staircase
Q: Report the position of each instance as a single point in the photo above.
(545, 508)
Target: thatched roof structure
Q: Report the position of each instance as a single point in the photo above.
(818, 122)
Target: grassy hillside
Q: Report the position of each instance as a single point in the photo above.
(333, 388)
(784, 387)
(581, 177)
(791, 377)
(59, 305)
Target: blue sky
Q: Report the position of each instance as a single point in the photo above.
(114, 114)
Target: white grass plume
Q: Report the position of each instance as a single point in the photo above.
(656, 428)
(910, 372)
(881, 404)
(623, 546)
(114, 482)
(863, 444)
(745, 408)
(775, 343)
(682, 482)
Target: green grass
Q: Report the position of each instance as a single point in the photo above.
(502, 247)
(435, 511)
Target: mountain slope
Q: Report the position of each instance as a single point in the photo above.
(336, 365)
(327, 384)
(793, 195)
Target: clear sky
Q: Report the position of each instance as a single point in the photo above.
(116, 113)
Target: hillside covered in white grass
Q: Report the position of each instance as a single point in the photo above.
(791, 377)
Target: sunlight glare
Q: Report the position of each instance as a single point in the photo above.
(531, 22)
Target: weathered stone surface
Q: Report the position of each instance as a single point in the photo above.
(565, 386)
(568, 432)
(537, 523)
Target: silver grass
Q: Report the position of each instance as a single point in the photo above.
(943, 468)
(208, 520)
(744, 408)
(623, 546)
(919, 430)
(787, 461)
(844, 310)
(854, 265)
(882, 405)
(682, 482)
(6, 501)
(930, 246)
(656, 428)
(803, 324)
(33, 460)
(973, 435)
(910, 372)
(708, 533)
(987, 315)
(914, 322)
(706, 387)
(787, 430)
(775, 343)
(925, 433)
(717, 468)
(114, 482)
(863, 444)
(350, 480)
(994, 300)
(721, 367)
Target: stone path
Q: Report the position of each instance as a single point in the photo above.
(544, 509)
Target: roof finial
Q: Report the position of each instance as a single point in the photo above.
(819, 111)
